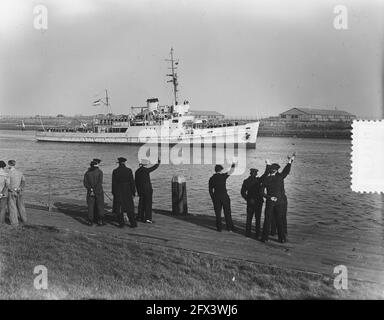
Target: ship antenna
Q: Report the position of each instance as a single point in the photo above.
(173, 75)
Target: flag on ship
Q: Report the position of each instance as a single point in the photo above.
(97, 102)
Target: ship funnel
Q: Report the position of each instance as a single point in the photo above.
(152, 104)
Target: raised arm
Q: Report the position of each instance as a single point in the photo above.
(154, 167)
(287, 168)
(267, 169)
(232, 169)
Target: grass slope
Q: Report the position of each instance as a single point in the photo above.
(85, 266)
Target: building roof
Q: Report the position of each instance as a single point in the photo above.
(206, 113)
(323, 112)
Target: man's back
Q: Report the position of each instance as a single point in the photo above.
(93, 178)
(123, 176)
(251, 188)
(143, 180)
(218, 183)
(16, 179)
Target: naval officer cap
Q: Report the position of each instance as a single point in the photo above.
(96, 160)
(253, 170)
(2, 164)
(121, 160)
(275, 166)
(12, 163)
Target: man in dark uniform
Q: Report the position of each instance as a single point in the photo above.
(219, 196)
(123, 190)
(252, 192)
(93, 182)
(144, 190)
(284, 207)
(274, 186)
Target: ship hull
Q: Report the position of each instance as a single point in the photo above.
(236, 136)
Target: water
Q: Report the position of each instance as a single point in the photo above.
(318, 187)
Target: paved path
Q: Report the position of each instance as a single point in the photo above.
(307, 251)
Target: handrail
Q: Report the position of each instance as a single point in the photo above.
(51, 186)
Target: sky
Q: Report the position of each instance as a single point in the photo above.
(249, 58)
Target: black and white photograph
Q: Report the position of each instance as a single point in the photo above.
(174, 151)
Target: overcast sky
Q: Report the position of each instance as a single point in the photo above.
(238, 57)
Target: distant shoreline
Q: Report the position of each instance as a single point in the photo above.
(269, 127)
(335, 135)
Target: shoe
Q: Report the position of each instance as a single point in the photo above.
(148, 221)
(89, 223)
(100, 223)
(125, 217)
(264, 240)
(282, 240)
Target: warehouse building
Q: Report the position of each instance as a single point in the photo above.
(311, 114)
(207, 115)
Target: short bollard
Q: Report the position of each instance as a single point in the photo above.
(179, 195)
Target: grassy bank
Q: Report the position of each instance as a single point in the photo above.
(86, 266)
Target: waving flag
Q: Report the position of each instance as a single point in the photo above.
(96, 103)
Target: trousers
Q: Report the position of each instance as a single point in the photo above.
(95, 208)
(254, 208)
(222, 201)
(145, 206)
(284, 218)
(3, 209)
(273, 210)
(16, 208)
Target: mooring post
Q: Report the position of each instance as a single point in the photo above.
(179, 195)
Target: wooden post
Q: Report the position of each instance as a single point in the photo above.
(179, 195)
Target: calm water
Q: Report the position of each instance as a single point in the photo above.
(318, 187)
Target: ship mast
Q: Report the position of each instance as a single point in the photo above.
(106, 103)
(173, 75)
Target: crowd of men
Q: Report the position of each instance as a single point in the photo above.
(254, 190)
(125, 185)
(124, 188)
(12, 183)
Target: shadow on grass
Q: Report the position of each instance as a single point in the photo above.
(80, 213)
(209, 222)
(205, 221)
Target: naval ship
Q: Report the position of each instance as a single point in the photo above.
(157, 124)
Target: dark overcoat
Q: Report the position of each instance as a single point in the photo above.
(123, 188)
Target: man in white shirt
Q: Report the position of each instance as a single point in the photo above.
(15, 197)
(4, 185)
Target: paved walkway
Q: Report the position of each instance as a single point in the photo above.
(307, 251)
